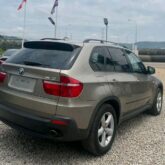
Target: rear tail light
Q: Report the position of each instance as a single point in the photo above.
(2, 77)
(67, 87)
(59, 122)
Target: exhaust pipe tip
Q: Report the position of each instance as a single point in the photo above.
(54, 132)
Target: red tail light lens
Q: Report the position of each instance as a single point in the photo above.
(59, 122)
(68, 87)
(51, 88)
(2, 77)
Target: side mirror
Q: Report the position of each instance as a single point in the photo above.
(150, 70)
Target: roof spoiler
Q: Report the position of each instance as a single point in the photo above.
(50, 45)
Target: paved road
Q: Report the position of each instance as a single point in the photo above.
(139, 141)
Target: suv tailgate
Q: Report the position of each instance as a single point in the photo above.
(26, 89)
(27, 70)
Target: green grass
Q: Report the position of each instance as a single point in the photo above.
(1, 51)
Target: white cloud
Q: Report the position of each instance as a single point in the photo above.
(85, 18)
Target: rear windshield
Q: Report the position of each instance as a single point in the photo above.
(55, 59)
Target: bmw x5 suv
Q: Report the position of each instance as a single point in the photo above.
(76, 92)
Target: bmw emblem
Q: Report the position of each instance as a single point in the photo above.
(21, 71)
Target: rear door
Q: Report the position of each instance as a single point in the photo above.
(97, 63)
(28, 70)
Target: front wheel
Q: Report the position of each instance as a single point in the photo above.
(157, 105)
(103, 131)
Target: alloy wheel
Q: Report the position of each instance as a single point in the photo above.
(106, 129)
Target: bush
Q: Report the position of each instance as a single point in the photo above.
(10, 45)
(7, 44)
(1, 51)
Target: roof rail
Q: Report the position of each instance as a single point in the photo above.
(88, 40)
(103, 41)
(56, 39)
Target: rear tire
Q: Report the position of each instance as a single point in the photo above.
(157, 105)
(103, 131)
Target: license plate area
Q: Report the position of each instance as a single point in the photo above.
(22, 83)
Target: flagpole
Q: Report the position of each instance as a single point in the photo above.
(24, 25)
(56, 18)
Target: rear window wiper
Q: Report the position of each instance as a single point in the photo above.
(31, 63)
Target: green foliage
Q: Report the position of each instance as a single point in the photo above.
(10, 45)
(1, 51)
(7, 44)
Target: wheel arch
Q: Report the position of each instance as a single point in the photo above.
(160, 85)
(114, 102)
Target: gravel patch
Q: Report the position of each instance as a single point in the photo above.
(140, 140)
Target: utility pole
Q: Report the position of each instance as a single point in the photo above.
(102, 33)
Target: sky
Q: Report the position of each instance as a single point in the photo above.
(81, 19)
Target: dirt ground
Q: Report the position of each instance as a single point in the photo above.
(160, 73)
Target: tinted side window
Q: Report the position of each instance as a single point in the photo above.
(100, 59)
(137, 65)
(119, 60)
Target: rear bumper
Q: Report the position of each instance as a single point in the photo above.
(41, 127)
